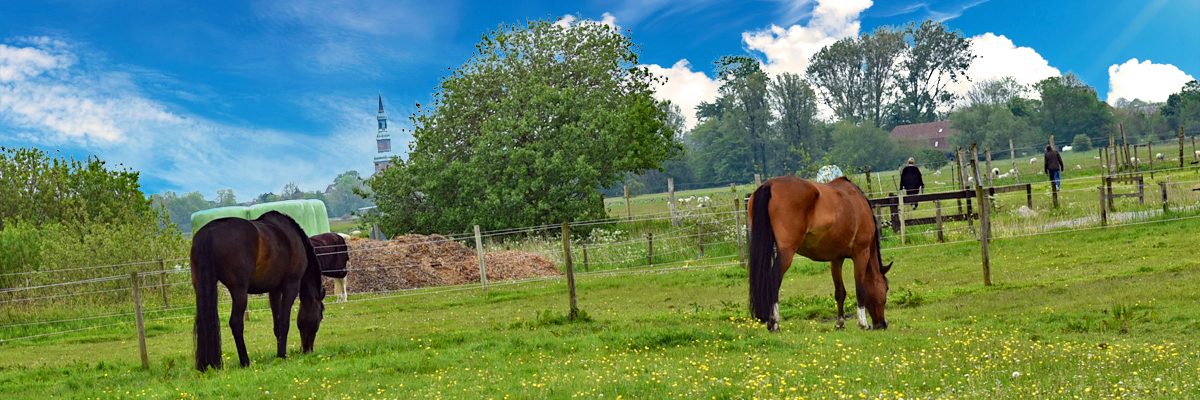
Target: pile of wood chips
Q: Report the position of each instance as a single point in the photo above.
(415, 261)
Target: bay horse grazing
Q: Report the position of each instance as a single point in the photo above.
(335, 260)
(270, 255)
(823, 222)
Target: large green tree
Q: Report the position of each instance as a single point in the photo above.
(855, 146)
(800, 134)
(837, 73)
(1183, 109)
(1069, 107)
(992, 126)
(745, 86)
(526, 132)
(347, 195)
(936, 57)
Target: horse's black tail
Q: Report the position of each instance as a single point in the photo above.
(764, 267)
(204, 281)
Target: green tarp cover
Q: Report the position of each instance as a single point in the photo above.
(310, 214)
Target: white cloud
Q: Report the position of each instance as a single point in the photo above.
(1146, 81)
(784, 50)
(48, 100)
(788, 50)
(685, 88)
(999, 57)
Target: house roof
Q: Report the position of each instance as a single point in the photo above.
(933, 134)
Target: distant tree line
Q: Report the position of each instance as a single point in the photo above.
(344, 197)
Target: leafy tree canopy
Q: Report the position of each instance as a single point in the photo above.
(39, 188)
(526, 132)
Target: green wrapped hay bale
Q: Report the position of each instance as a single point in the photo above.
(311, 214)
(322, 216)
(200, 218)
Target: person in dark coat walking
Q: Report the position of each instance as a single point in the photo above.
(1053, 166)
(910, 180)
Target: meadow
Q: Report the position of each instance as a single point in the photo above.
(1075, 311)
(1087, 314)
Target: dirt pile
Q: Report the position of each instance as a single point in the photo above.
(415, 261)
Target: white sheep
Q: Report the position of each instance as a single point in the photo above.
(1002, 176)
(971, 180)
(1134, 160)
(1011, 171)
(938, 173)
(1197, 153)
(1033, 160)
(995, 172)
(1160, 156)
(1067, 148)
(1095, 157)
(1077, 166)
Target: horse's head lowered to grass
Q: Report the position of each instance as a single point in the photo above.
(823, 222)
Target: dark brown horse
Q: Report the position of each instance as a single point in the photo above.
(270, 255)
(335, 260)
(824, 222)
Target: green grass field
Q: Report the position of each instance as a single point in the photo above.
(1087, 314)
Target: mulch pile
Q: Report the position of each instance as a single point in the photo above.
(415, 261)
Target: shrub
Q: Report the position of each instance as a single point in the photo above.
(1082, 143)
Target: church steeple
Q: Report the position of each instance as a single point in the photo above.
(383, 139)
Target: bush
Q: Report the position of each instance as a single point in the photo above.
(1082, 143)
(932, 159)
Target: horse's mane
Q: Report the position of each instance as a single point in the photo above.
(310, 274)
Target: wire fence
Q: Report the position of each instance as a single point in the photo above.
(659, 242)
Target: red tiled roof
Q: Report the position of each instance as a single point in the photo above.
(933, 134)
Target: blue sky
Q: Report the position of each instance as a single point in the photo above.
(253, 94)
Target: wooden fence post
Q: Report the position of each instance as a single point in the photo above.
(1054, 192)
(757, 181)
(962, 176)
(650, 248)
(585, 260)
(1113, 153)
(737, 220)
(937, 205)
(988, 155)
(671, 201)
(870, 191)
(1163, 187)
(984, 233)
(1108, 184)
(1181, 147)
(1141, 189)
(1136, 160)
(570, 269)
(1029, 195)
(628, 209)
(1103, 209)
(1012, 154)
(700, 236)
(479, 254)
(1125, 146)
(903, 208)
(1151, 156)
(141, 327)
(162, 281)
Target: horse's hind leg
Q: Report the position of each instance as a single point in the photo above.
(281, 309)
(237, 325)
(839, 291)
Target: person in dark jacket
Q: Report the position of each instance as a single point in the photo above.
(910, 180)
(1053, 166)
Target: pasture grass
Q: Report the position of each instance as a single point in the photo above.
(1088, 314)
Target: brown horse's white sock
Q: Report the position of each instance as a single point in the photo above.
(862, 318)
